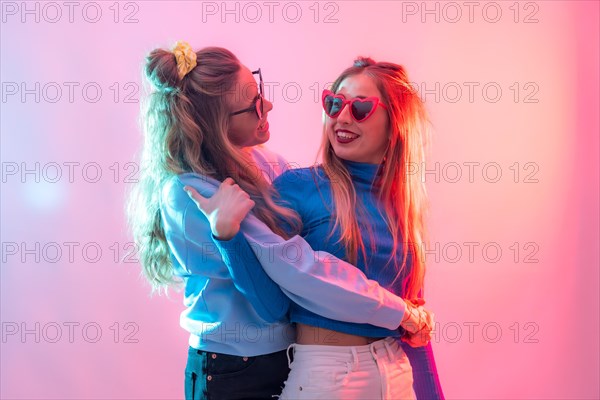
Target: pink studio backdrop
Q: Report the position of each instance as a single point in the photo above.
(512, 89)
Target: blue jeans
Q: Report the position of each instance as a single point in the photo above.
(223, 376)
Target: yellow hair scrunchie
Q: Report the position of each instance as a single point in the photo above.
(186, 58)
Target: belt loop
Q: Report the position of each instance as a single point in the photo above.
(389, 350)
(287, 353)
(354, 358)
(372, 350)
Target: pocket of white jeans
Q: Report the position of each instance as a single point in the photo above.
(403, 363)
(324, 379)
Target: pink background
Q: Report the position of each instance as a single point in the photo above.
(523, 324)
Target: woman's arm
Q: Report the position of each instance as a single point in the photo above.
(250, 279)
(315, 280)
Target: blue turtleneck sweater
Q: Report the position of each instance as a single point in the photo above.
(308, 192)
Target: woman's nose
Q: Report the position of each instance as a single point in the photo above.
(344, 115)
(268, 106)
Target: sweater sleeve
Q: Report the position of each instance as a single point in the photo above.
(250, 279)
(188, 232)
(426, 382)
(315, 280)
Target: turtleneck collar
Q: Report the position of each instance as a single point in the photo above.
(362, 172)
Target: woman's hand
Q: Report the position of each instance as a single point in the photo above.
(418, 323)
(225, 210)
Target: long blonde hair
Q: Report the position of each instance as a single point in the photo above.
(402, 193)
(185, 123)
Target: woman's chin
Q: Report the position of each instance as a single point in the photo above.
(263, 137)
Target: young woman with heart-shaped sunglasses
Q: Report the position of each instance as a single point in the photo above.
(361, 205)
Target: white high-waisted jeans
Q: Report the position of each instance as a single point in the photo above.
(380, 370)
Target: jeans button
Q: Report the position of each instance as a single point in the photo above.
(245, 358)
(214, 356)
(209, 378)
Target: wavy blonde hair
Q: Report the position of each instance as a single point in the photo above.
(402, 193)
(185, 123)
